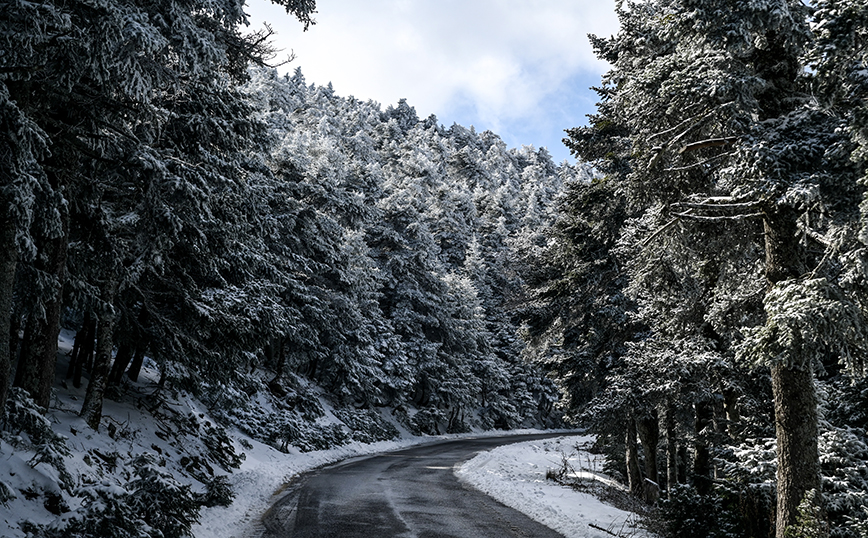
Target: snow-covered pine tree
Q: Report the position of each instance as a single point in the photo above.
(321, 156)
(396, 191)
(23, 147)
(726, 144)
(102, 93)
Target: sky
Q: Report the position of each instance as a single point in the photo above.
(520, 68)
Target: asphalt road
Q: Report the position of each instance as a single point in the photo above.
(411, 493)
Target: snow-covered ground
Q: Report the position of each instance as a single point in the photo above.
(516, 476)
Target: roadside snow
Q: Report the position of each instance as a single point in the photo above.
(261, 479)
(516, 476)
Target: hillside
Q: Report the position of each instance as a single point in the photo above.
(161, 462)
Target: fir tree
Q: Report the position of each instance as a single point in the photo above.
(733, 165)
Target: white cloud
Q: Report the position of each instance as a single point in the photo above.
(498, 61)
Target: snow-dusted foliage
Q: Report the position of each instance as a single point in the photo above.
(320, 270)
(152, 504)
(26, 428)
(217, 228)
(701, 295)
(403, 230)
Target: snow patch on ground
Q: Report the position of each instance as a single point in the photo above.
(516, 476)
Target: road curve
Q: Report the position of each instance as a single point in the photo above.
(411, 493)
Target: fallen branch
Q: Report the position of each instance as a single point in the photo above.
(599, 528)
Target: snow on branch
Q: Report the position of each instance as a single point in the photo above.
(660, 230)
(709, 143)
(699, 164)
(708, 204)
(712, 205)
(718, 217)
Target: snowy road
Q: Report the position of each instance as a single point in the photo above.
(409, 493)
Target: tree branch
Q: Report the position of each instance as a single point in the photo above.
(697, 165)
(660, 230)
(677, 126)
(717, 206)
(599, 528)
(710, 143)
(816, 236)
(719, 217)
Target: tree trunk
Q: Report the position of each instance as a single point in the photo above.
(122, 360)
(86, 355)
(796, 429)
(701, 456)
(649, 434)
(79, 345)
(8, 264)
(796, 423)
(14, 335)
(733, 416)
(280, 367)
(91, 409)
(682, 464)
(39, 352)
(138, 361)
(20, 367)
(312, 367)
(634, 474)
(671, 449)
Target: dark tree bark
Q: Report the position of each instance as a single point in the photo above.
(86, 354)
(682, 464)
(78, 345)
(19, 368)
(634, 474)
(275, 357)
(138, 361)
(795, 399)
(39, 350)
(701, 456)
(91, 409)
(312, 368)
(14, 335)
(796, 428)
(122, 360)
(733, 416)
(671, 448)
(87, 364)
(8, 264)
(649, 435)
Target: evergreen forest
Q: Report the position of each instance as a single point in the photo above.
(694, 292)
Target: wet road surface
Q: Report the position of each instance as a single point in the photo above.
(412, 493)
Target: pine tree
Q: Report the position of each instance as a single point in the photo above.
(102, 83)
(732, 161)
(23, 146)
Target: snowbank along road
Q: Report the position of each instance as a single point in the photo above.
(412, 493)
